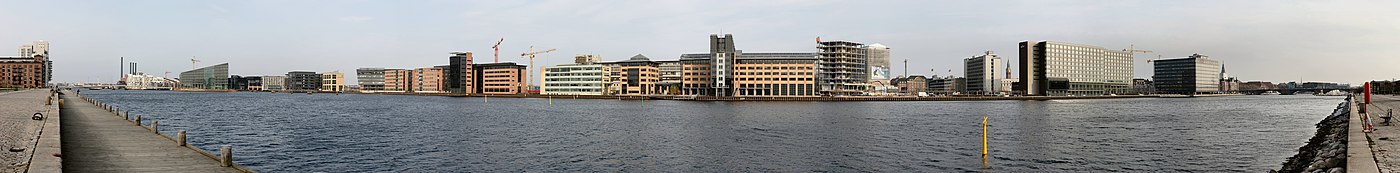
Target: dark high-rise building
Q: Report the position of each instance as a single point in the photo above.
(303, 81)
(1196, 74)
(459, 73)
(722, 54)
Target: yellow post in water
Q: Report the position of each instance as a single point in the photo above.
(551, 100)
(984, 137)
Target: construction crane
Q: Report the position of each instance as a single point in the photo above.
(194, 63)
(1131, 50)
(531, 55)
(497, 47)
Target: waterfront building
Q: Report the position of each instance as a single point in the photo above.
(303, 81)
(670, 83)
(1195, 74)
(31, 69)
(775, 75)
(333, 81)
(142, 81)
(878, 62)
(209, 77)
(499, 78)
(1144, 86)
(1058, 68)
(983, 73)
(430, 79)
(695, 75)
(398, 80)
(1007, 85)
(635, 76)
(842, 68)
(236, 82)
(1229, 85)
(721, 65)
(575, 79)
(253, 83)
(911, 85)
(459, 77)
(1257, 86)
(370, 79)
(947, 85)
(274, 83)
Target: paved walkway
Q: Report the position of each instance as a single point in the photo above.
(17, 130)
(95, 140)
(1386, 137)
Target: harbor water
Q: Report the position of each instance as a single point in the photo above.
(281, 132)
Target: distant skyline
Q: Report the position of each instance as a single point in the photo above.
(1277, 41)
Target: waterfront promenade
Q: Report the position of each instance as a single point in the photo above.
(1386, 137)
(96, 140)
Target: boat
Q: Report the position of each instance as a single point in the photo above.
(1270, 93)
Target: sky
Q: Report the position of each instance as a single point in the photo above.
(1278, 41)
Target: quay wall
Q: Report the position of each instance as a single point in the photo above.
(1326, 151)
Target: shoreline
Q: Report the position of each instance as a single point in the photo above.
(757, 99)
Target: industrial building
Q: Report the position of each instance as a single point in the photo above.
(1195, 74)
(1059, 69)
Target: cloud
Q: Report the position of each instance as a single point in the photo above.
(355, 19)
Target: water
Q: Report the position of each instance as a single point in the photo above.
(387, 133)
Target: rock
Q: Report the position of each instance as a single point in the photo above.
(17, 149)
(1336, 170)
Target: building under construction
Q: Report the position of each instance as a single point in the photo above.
(842, 68)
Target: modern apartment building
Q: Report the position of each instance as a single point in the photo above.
(575, 79)
(459, 77)
(430, 79)
(775, 75)
(983, 73)
(209, 77)
(1058, 68)
(842, 68)
(370, 79)
(303, 81)
(399, 80)
(31, 69)
(1195, 74)
(332, 81)
(499, 78)
(274, 83)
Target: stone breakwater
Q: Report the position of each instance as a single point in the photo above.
(1327, 150)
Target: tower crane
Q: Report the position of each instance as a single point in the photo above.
(497, 47)
(531, 55)
(1130, 50)
(194, 63)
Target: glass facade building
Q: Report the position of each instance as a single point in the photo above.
(211, 77)
(1196, 74)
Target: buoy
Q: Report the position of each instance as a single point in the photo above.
(984, 137)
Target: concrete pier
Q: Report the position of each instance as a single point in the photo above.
(95, 139)
(1386, 137)
(18, 130)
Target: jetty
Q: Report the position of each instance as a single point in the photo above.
(97, 137)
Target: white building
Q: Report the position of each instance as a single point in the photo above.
(142, 81)
(983, 73)
(575, 79)
(274, 83)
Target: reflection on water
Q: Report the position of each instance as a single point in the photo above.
(378, 133)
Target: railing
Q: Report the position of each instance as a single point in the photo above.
(225, 156)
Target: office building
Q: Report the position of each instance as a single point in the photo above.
(274, 83)
(399, 80)
(253, 83)
(236, 82)
(587, 58)
(1195, 74)
(947, 85)
(370, 79)
(983, 73)
(499, 78)
(303, 81)
(1007, 85)
(575, 79)
(332, 82)
(142, 81)
(459, 73)
(1058, 69)
(721, 65)
(209, 77)
(635, 76)
(31, 69)
(842, 68)
(430, 79)
(911, 85)
(1144, 86)
(670, 83)
(695, 74)
(775, 75)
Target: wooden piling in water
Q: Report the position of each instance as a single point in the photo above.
(153, 127)
(180, 137)
(226, 155)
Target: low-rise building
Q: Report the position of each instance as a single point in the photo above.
(209, 77)
(370, 79)
(776, 75)
(575, 79)
(274, 83)
(670, 77)
(1144, 86)
(301, 81)
(1195, 74)
(635, 76)
(332, 81)
(429, 79)
(912, 85)
(499, 78)
(946, 85)
(399, 80)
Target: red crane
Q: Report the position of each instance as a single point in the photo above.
(497, 54)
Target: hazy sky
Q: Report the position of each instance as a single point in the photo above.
(1341, 41)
